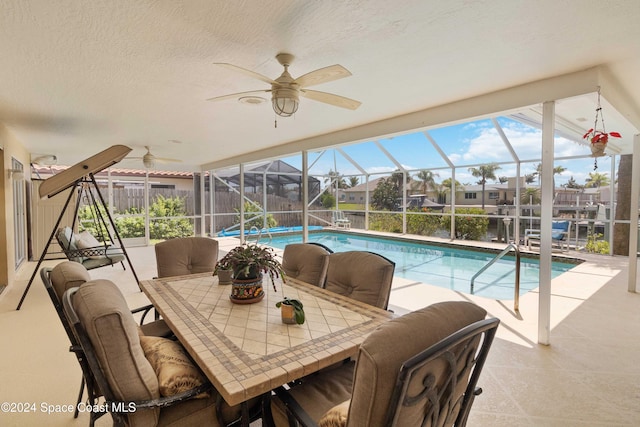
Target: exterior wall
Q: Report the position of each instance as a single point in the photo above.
(11, 148)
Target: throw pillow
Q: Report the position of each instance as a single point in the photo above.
(85, 240)
(336, 416)
(175, 371)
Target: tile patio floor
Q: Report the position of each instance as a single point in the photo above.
(588, 376)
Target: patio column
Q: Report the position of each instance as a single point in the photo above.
(305, 196)
(546, 216)
(241, 203)
(633, 217)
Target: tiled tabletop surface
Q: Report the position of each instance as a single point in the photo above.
(244, 349)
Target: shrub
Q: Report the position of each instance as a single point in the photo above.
(468, 227)
(386, 222)
(253, 220)
(133, 226)
(596, 246)
(425, 225)
(327, 200)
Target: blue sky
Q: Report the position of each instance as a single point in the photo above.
(466, 145)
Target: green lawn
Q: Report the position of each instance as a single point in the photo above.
(351, 206)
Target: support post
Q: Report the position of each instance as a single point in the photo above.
(546, 216)
(633, 217)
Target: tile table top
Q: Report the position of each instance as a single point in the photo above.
(244, 349)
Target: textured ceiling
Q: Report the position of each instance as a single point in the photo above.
(78, 76)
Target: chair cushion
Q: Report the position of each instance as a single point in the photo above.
(175, 371)
(193, 412)
(306, 262)
(67, 275)
(363, 276)
(318, 393)
(111, 328)
(189, 255)
(384, 351)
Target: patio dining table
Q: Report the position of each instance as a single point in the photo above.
(244, 349)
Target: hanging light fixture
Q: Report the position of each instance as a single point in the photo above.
(285, 101)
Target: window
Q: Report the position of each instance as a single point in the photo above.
(470, 195)
(494, 195)
(19, 213)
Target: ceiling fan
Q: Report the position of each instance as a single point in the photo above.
(285, 90)
(149, 160)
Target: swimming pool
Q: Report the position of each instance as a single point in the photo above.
(443, 266)
(265, 231)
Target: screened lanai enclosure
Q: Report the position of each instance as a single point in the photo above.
(475, 180)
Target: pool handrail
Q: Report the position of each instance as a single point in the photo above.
(259, 233)
(516, 296)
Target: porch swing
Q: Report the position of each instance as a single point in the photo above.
(85, 248)
(92, 251)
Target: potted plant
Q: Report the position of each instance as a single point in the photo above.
(224, 272)
(291, 311)
(248, 262)
(599, 139)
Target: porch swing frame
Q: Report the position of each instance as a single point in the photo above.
(80, 178)
(102, 252)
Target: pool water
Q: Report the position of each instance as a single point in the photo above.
(443, 266)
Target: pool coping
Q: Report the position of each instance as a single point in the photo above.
(475, 245)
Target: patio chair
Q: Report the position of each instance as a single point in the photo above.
(418, 369)
(187, 255)
(363, 276)
(130, 370)
(57, 281)
(339, 220)
(87, 250)
(307, 262)
(560, 235)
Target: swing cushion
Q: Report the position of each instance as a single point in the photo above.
(96, 255)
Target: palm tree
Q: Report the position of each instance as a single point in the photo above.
(333, 177)
(572, 183)
(484, 172)
(530, 195)
(556, 171)
(353, 181)
(445, 187)
(596, 180)
(426, 181)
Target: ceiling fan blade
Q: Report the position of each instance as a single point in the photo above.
(322, 75)
(330, 98)
(246, 72)
(239, 95)
(165, 160)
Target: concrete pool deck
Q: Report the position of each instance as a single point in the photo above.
(589, 375)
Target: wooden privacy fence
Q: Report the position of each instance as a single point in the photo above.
(288, 213)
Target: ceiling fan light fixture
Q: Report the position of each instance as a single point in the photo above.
(285, 102)
(148, 161)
